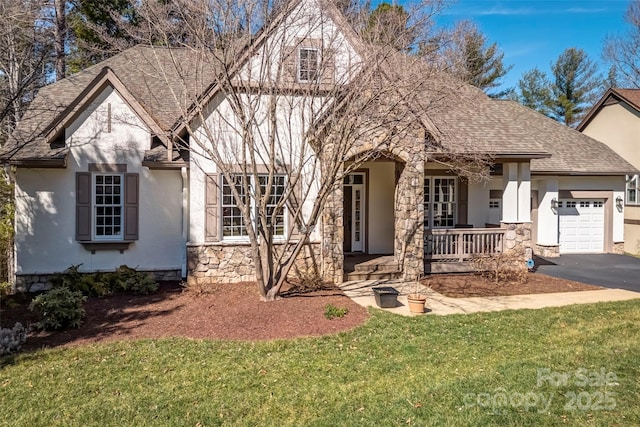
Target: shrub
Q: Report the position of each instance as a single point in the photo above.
(129, 280)
(105, 283)
(11, 340)
(502, 268)
(331, 311)
(59, 308)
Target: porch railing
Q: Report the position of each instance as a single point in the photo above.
(455, 245)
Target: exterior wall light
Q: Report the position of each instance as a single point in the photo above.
(554, 203)
(619, 202)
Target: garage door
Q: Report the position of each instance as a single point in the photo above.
(581, 225)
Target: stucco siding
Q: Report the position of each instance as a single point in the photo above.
(618, 126)
(45, 199)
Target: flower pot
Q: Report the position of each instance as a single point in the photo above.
(416, 303)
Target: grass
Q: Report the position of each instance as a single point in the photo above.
(449, 371)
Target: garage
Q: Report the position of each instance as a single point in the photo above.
(581, 225)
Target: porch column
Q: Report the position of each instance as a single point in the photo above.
(524, 192)
(547, 216)
(333, 236)
(409, 218)
(510, 193)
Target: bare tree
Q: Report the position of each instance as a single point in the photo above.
(23, 58)
(623, 52)
(283, 101)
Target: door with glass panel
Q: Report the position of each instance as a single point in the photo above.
(354, 212)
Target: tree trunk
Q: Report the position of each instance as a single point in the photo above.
(60, 38)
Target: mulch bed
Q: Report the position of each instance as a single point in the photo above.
(231, 311)
(473, 285)
(234, 311)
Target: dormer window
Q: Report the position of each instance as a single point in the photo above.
(308, 64)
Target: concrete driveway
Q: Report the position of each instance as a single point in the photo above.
(607, 270)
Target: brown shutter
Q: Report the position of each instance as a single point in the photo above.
(212, 221)
(289, 64)
(328, 66)
(83, 206)
(131, 200)
(463, 200)
(293, 204)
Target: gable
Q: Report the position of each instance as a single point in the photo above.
(312, 27)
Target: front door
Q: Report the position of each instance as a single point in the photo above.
(353, 208)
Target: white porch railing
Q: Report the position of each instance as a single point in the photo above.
(461, 244)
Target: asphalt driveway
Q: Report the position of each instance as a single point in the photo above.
(607, 270)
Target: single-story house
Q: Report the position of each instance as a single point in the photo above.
(106, 173)
(615, 120)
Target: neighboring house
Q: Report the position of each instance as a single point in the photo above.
(615, 120)
(101, 179)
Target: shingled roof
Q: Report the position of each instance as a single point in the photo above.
(162, 81)
(572, 152)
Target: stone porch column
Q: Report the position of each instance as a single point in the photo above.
(409, 217)
(333, 236)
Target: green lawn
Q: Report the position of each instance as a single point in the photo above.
(530, 367)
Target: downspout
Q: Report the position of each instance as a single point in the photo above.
(185, 219)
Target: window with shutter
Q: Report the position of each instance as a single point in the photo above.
(106, 206)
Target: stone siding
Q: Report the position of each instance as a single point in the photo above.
(552, 251)
(226, 263)
(618, 248)
(517, 239)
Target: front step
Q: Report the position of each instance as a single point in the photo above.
(372, 275)
(378, 268)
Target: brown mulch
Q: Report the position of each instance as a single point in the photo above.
(234, 311)
(473, 285)
(231, 311)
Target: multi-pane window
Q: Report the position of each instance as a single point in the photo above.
(633, 189)
(108, 206)
(308, 64)
(232, 219)
(275, 215)
(439, 202)
(233, 223)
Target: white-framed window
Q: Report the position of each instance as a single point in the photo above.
(108, 206)
(633, 190)
(494, 203)
(440, 204)
(233, 223)
(308, 64)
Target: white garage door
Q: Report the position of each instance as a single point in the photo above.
(581, 225)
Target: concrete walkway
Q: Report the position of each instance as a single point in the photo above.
(361, 293)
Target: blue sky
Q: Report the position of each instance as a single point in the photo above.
(534, 33)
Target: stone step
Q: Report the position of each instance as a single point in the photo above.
(372, 275)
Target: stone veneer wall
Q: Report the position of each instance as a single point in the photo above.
(41, 282)
(517, 238)
(552, 251)
(618, 248)
(226, 263)
(409, 217)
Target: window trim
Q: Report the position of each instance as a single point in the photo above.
(636, 190)
(299, 69)
(428, 210)
(94, 206)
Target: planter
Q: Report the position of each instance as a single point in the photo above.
(416, 303)
(386, 296)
